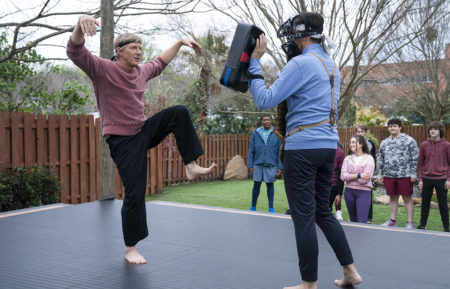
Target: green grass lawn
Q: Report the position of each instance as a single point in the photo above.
(238, 195)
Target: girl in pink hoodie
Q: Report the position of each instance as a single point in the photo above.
(357, 171)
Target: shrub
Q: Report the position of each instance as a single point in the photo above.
(28, 187)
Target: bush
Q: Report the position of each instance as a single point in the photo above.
(28, 187)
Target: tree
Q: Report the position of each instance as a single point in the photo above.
(214, 110)
(24, 33)
(423, 69)
(24, 88)
(361, 29)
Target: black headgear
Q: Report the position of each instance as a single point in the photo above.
(299, 30)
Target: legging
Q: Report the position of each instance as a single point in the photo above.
(358, 204)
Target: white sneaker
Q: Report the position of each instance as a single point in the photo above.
(389, 223)
(339, 216)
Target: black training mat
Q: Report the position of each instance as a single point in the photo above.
(199, 247)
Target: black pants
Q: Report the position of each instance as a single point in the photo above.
(427, 193)
(307, 179)
(130, 155)
(333, 194)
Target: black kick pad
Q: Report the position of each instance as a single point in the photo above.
(234, 74)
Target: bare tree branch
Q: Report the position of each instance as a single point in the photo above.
(123, 9)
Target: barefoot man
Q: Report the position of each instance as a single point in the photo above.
(119, 89)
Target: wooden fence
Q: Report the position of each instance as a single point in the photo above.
(165, 166)
(71, 145)
(419, 133)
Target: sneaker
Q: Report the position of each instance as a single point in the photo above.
(271, 210)
(447, 230)
(252, 209)
(389, 223)
(288, 212)
(421, 227)
(369, 221)
(409, 226)
(339, 216)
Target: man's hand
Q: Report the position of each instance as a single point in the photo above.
(337, 201)
(447, 185)
(192, 44)
(380, 181)
(421, 185)
(278, 173)
(251, 171)
(88, 25)
(413, 180)
(261, 46)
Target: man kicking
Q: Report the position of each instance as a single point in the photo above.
(119, 89)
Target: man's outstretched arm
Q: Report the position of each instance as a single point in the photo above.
(170, 53)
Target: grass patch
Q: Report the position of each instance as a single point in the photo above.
(238, 195)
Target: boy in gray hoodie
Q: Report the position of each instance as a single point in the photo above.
(397, 159)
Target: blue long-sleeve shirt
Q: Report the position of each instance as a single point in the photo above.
(305, 85)
(260, 153)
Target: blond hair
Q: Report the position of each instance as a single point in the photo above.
(126, 38)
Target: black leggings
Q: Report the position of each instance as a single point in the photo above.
(427, 193)
(130, 155)
(307, 179)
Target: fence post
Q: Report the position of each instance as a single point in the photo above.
(5, 155)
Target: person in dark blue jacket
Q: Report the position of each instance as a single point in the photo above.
(264, 160)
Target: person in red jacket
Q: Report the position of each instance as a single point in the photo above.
(433, 172)
(119, 88)
(337, 185)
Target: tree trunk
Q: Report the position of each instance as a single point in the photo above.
(106, 51)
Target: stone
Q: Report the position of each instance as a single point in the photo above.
(236, 169)
(384, 200)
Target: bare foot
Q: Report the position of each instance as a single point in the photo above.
(194, 171)
(133, 256)
(351, 277)
(304, 285)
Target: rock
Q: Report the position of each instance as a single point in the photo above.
(384, 200)
(417, 201)
(236, 169)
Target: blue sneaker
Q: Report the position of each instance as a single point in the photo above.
(271, 210)
(252, 209)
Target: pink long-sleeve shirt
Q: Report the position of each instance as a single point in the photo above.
(365, 164)
(119, 92)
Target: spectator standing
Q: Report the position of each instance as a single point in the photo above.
(397, 160)
(264, 161)
(337, 185)
(433, 171)
(362, 130)
(357, 172)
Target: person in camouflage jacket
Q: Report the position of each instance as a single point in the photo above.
(397, 161)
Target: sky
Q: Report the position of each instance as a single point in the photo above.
(30, 8)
